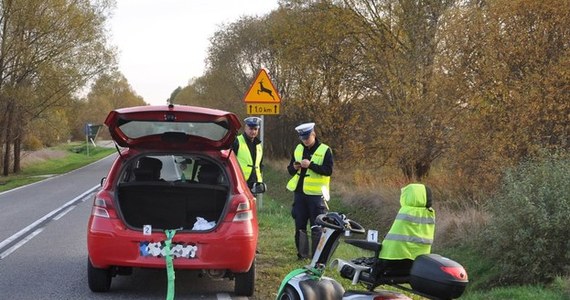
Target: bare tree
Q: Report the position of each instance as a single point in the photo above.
(48, 51)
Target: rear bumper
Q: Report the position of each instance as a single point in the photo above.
(231, 247)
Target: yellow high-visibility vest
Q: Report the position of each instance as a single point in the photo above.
(246, 161)
(313, 182)
(413, 230)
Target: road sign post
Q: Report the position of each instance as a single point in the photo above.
(262, 99)
(91, 132)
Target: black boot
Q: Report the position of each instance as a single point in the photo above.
(302, 243)
(316, 232)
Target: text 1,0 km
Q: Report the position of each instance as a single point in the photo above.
(263, 108)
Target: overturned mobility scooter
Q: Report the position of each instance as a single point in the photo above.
(429, 275)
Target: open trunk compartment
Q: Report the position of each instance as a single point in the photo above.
(165, 205)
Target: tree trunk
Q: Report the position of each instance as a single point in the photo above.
(8, 139)
(422, 169)
(6, 160)
(17, 152)
(415, 169)
(3, 122)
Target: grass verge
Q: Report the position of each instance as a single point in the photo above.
(277, 255)
(74, 156)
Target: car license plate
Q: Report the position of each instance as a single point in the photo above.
(158, 249)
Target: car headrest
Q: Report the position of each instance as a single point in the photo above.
(148, 168)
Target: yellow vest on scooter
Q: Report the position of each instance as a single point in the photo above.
(413, 230)
(313, 182)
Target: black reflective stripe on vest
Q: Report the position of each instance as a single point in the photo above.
(405, 238)
(413, 219)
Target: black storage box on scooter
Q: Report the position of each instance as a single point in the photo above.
(438, 276)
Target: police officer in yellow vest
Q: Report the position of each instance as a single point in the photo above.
(249, 151)
(311, 166)
(411, 233)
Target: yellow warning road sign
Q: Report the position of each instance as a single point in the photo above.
(262, 90)
(262, 108)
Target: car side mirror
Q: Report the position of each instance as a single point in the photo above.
(259, 188)
(102, 181)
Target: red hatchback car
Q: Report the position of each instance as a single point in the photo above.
(176, 171)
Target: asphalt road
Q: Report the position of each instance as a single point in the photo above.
(43, 247)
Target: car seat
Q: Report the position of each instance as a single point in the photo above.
(209, 174)
(148, 169)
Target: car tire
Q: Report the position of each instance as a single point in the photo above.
(99, 279)
(245, 282)
(289, 293)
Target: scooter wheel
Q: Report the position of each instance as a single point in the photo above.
(289, 293)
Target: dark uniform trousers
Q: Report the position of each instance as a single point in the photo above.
(306, 208)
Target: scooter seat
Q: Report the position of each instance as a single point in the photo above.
(379, 271)
(366, 245)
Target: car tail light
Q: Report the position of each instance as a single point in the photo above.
(243, 212)
(102, 208)
(100, 212)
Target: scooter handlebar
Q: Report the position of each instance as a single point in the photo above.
(339, 221)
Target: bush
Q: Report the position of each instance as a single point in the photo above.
(527, 235)
(32, 143)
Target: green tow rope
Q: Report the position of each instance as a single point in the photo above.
(312, 272)
(169, 265)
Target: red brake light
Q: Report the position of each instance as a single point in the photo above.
(456, 272)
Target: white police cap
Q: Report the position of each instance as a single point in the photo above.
(252, 121)
(305, 129)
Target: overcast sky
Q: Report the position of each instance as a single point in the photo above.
(162, 43)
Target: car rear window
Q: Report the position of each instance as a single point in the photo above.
(208, 130)
(174, 168)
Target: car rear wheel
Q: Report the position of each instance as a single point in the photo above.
(99, 279)
(245, 282)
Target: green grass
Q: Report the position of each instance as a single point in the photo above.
(518, 293)
(76, 157)
(277, 255)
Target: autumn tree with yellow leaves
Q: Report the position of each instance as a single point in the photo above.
(472, 86)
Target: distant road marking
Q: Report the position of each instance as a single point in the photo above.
(14, 242)
(63, 213)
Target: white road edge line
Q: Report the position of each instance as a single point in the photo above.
(20, 243)
(63, 213)
(25, 231)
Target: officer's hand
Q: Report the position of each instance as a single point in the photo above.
(305, 163)
(297, 165)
